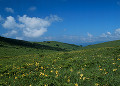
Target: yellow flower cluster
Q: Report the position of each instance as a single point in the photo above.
(96, 84)
(76, 84)
(114, 69)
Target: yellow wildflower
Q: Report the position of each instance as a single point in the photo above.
(41, 67)
(23, 74)
(118, 59)
(51, 71)
(56, 76)
(106, 72)
(46, 85)
(56, 72)
(114, 69)
(43, 74)
(82, 68)
(76, 84)
(36, 64)
(100, 69)
(68, 80)
(81, 75)
(15, 77)
(65, 76)
(96, 84)
(46, 75)
(84, 78)
(71, 70)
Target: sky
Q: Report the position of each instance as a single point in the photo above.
(68, 21)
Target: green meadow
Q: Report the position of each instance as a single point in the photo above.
(51, 63)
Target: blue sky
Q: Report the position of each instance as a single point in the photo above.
(71, 21)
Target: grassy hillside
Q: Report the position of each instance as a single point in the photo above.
(8, 41)
(13, 47)
(61, 45)
(105, 44)
(88, 67)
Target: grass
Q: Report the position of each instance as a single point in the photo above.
(87, 67)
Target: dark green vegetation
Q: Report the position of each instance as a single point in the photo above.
(13, 47)
(63, 46)
(52, 63)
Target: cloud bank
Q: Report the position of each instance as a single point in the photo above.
(89, 38)
(30, 26)
(108, 36)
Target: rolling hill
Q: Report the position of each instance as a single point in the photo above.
(115, 43)
(51, 63)
(15, 47)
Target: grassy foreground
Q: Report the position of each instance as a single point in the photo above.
(87, 67)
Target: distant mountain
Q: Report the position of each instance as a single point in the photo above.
(91, 43)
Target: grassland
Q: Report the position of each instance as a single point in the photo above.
(57, 64)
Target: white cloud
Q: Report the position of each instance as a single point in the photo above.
(108, 36)
(89, 35)
(103, 35)
(53, 18)
(34, 27)
(20, 38)
(28, 32)
(117, 31)
(32, 8)
(108, 33)
(9, 10)
(33, 22)
(9, 23)
(30, 26)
